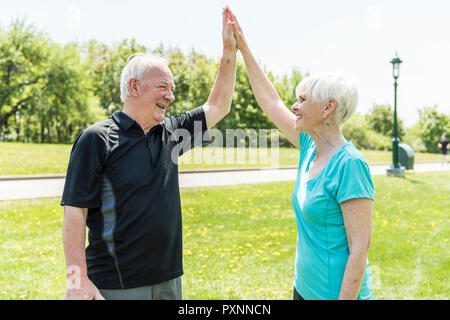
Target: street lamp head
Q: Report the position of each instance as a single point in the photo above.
(396, 66)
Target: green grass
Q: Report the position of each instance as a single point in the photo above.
(239, 242)
(33, 158)
(29, 158)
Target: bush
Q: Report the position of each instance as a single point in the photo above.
(358, 131)
(413, 138)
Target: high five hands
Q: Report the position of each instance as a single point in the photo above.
(236, 28)
(229, 41)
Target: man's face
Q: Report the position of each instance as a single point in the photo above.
(157, 92)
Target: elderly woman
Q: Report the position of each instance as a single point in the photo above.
(333, 195)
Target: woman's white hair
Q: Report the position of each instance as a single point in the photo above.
(137, 65)
(325, 86)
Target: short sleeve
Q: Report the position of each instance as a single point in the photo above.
(83, 183)
(355, 181)
(306, 141)
(189, 128)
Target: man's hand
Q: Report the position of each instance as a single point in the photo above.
(218, 104)
(229, 41)
(237, 30)
(82, 289)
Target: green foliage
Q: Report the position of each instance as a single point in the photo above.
(104, 67)
(50, 93)
(381, 119)
(357, 129)
(414, 139)
(432, 125)
(45, 93)
(286, 85)
(24, 58)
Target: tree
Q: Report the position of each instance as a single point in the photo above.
(105, 67)
(287, 84)
(381, 119)
(357, 130)
(432, 125)
(24, 60)
(413, 138)
(66, 104)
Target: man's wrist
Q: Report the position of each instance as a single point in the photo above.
(75, 271)
(229, 52)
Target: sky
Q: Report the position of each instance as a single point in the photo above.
(354, 37)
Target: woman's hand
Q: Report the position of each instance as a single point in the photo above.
(237, 30)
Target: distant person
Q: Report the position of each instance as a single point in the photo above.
(122, 183)
(333, 195)
(444, 145)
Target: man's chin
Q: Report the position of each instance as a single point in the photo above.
(159, 117)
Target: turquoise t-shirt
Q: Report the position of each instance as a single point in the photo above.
(322, 246)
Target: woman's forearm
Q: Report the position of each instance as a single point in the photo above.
(353, 275)
(264, 91)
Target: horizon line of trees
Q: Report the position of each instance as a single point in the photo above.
(50, 92)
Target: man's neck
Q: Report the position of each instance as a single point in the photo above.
(140, 116)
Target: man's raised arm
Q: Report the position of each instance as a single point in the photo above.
(219, 100)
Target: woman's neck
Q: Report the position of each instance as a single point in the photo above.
(327, 141)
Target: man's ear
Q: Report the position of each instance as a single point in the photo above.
(132, 87)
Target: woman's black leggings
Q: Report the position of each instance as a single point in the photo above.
(297, 296)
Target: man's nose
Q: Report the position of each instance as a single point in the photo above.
(170, 96)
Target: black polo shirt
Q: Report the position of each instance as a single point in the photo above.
(128, 180)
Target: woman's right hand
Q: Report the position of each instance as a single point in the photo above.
(238, 34)
(265, 93)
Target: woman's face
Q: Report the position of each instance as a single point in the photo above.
(307, 112)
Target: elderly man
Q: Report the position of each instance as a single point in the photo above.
(122, 183)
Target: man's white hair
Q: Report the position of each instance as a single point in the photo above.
(137, 65)
(325, 86)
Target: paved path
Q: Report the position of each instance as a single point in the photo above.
(24, 187)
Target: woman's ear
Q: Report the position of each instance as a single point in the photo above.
(330, 107)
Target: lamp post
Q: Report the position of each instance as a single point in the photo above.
(396, 169)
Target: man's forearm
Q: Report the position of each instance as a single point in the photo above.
(74, 240)
(222, 93)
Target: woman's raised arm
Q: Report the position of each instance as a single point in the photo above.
(264, 91)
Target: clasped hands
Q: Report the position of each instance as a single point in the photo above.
(232, 35)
